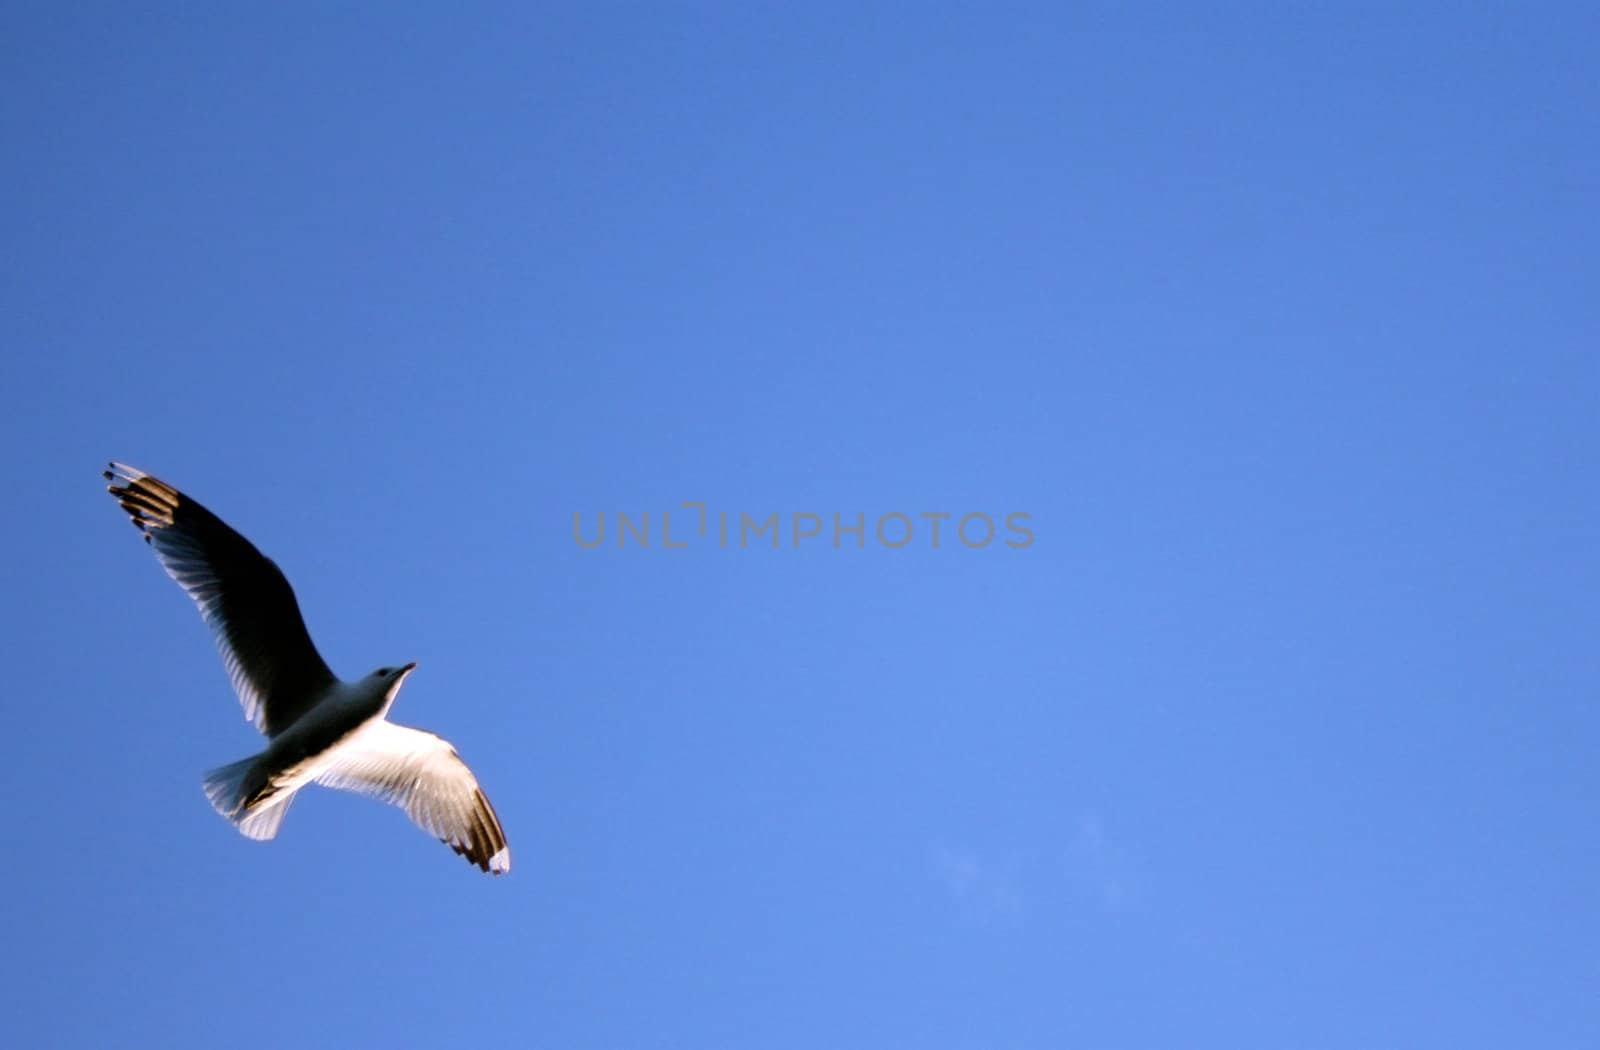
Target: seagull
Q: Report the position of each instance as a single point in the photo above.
(320, 730)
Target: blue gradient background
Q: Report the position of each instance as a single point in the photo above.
(1282, 327)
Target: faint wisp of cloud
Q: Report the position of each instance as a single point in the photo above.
(1099, 867)
(986, 893)
(1093, 870)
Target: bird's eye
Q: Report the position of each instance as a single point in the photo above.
(380, 672)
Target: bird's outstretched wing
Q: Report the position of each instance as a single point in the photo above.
(243, 596)
(423, 775)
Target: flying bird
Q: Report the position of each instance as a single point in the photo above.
(319, 729)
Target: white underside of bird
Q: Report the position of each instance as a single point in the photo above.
(345, 742)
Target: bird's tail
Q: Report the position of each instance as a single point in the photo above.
(241, 792)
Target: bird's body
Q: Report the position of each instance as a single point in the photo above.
(300, 753)
(320, 729)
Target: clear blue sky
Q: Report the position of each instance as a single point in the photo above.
(1282, 328)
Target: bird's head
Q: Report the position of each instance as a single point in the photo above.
(392, 677)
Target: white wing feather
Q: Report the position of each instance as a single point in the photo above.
(422, 774)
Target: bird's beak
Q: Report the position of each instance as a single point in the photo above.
(407, 669)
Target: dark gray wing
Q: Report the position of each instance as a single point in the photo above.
(243, 596)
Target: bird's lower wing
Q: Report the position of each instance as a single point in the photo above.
(423, 775)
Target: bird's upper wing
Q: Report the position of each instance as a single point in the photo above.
(243, 596)
(423, 775)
